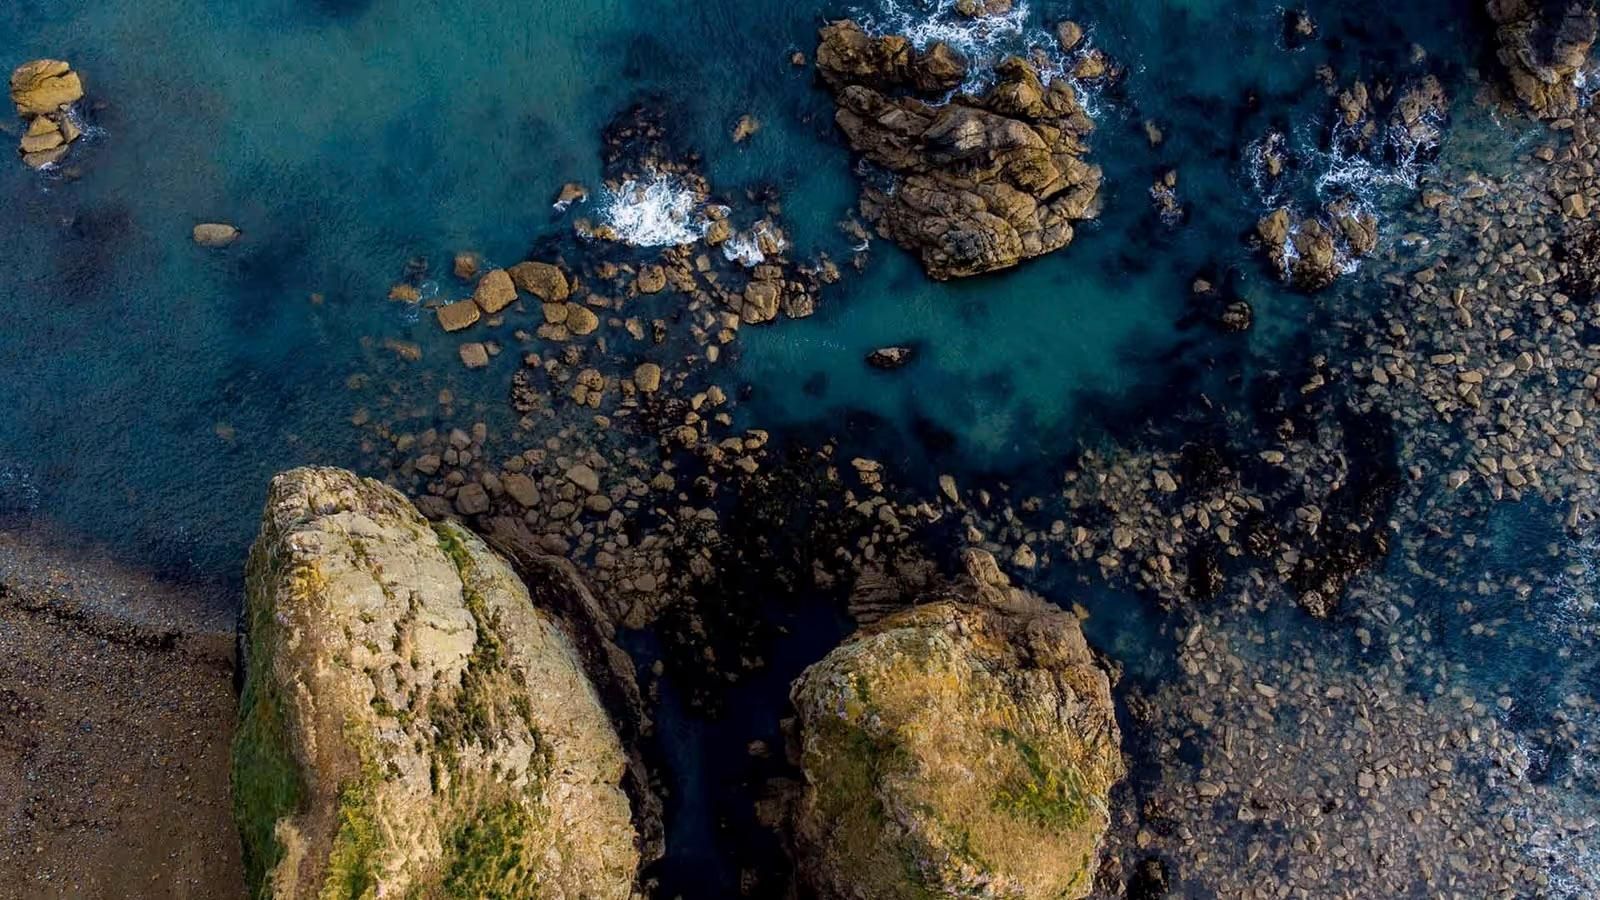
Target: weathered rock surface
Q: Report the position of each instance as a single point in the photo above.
(215, 235)
(1311, 252)
(411, 725)
(979, 183)
(1543, 44)
(43, 90)
(960, 748)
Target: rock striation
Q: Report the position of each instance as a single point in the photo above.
(1544, 45)
(43, 92)
(963, 747)
(976, 184)
(411, 725)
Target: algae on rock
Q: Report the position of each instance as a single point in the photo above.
(960, 748)
(411, 726)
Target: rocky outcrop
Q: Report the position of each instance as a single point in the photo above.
(1543, 45)
(411, 725)
(1311, 252)
(44, 91)
(976, 183)
(960, 748)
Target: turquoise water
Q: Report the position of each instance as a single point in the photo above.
(153, 387)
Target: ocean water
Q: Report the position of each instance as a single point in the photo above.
(152, 387)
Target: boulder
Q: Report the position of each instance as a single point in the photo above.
(647, 378)
(1311, 252)
(458, 315)
(542, 280)
(889, 358)
(410, 724)
(976, 183)
(495, 291)
(963, 747)
(215, 234)
(580, 319)
(44, 86)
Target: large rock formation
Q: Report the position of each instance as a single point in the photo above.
(411, 725)
(1544, 45)
(960, 748)
(978, 183)
(44, 91)
(1311, 252)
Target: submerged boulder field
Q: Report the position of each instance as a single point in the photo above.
(977, 183)
(411, 725)
(963, 747)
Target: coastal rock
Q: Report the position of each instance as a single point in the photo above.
(963, 747)
(978, 183)
(888, 358)
(215, 235)
(43, 87)
(495, 291)
(1543, 45)
(1311, 252)
(411, 725)
(540, 279)
(458, 315)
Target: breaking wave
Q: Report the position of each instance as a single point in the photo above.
(655, 210)
(744, 248)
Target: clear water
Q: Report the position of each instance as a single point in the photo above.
(152, 388)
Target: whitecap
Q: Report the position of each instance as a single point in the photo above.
(655, 210)
(744, 248)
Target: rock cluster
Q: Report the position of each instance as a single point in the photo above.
(976, 183)
(44, 91)
(411, 725)
(1311, 252)
(1543, 45)
(963, 747)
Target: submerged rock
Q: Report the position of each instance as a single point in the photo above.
(215, 235)
(411, 725)
(960, 748)
(889, 358)
(978, 183)
(43, 92)
(1544, 45)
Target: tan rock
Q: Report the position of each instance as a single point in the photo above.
(495, 291)
(466, 266)
(44, 86)
(215, 234)
(651, 279)
(647, 377)
(580, 319)
(474, 355)
(458, 315)
(540, 279)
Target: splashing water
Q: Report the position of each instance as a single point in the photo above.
(654, 211)
(745, 248)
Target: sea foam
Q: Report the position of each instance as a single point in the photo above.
(655, 210)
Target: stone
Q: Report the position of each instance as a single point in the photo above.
(542, 280)
(43, 86)
(465, 266)
(651, 280)
(474, 355)
(745, 128)
(411, 718)
(215, 235)
(472, 499)
(458, 315)
(495, 291)
(584, 477)
(521, 488)
(962, 747)
(760, 302)
(977, 184)
(889, 358)
(1542, 47)
(580, 319)
(647, 378)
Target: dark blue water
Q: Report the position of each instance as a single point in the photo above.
(153, 387)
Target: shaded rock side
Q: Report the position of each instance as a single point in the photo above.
(960, 748)
(977, 184)
(410, 724)
(1544, 45)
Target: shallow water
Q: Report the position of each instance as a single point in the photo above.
(153, 387)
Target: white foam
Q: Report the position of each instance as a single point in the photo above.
(654, 211)
(18, 492)
(744, 248)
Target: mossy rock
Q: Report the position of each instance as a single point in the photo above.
(411, 726)
(961, 748)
